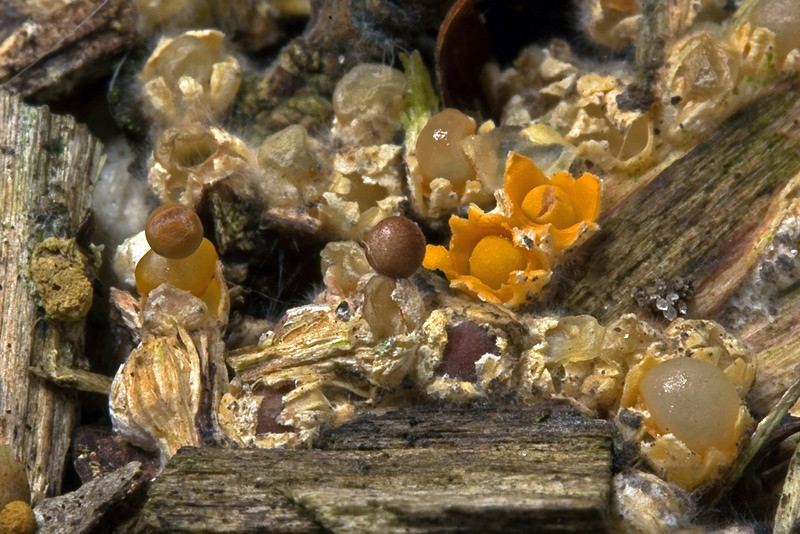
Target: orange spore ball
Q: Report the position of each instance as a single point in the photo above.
(174, 231)
(395, 247)
(17, 518)
(493, 259)
(192, 273)
(693, 400)
(439, 150)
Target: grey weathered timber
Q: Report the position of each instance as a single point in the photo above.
(50, 51)
(419, 470)
(703, 219)
(48, 165)
(81, 510)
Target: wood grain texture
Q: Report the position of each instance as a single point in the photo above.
(702, 219)
(53, 50)
(49, 164)
(416, 470)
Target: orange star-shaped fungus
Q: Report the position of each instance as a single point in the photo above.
(483, 260)
(558, 213)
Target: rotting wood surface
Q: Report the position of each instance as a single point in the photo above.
(53, 50)
(417, 470)
(704, 219)
(49, 164)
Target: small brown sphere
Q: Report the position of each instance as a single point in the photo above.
(395, 247)
(467, 342)
(268, 411)
(173, 231)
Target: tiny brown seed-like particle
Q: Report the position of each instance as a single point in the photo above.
(466, 344)
(395, 247)
(173, 231)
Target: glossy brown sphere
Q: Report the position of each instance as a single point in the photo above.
(173, 231)
(395, 247)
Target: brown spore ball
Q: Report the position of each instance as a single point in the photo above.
(173, 231)
(466, 343)
(268, 411)
(395, 247)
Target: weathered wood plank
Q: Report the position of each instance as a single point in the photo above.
(49, 164)
(58, 48)
(417, 470)
(704, 219)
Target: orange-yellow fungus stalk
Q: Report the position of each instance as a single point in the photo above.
(484, 260)
(558, 213)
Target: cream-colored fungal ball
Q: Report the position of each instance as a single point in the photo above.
(190, 78)
(781, 17)
(694, 401)
(367, 103)
(439, 150)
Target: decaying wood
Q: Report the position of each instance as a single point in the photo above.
(49, 164)
(704, 219)
(775, 340)
(55, 49)
(417, 470)
(81, 510)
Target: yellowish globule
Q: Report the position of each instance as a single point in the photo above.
(694, 401)
(192, 273)
(493, 259)
(547, 204)
(439, 151)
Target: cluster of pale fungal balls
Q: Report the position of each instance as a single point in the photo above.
(179, 255)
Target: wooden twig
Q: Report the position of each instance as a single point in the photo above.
(48, 55)
(49, 164)
(705, 219)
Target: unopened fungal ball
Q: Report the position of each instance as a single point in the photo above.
(693, 400)
(192, 273)
(395, 247)
(174, 231)
(439, 151)
(13, 480)
(17, 518)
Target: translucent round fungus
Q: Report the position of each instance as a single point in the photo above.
(781, 17)
(547, 204)
(439, 150)
(694, 401)
(174, 231)
(395, 247)
(192, 273)
(493, 259)
(466, 344)
(369, 90)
